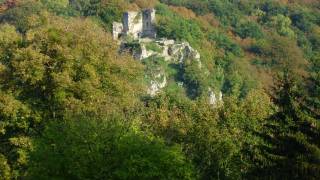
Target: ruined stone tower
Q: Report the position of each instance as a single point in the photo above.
(136, 25)
(148, 19)
(132, 24)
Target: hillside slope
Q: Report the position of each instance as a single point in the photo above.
(227, 90)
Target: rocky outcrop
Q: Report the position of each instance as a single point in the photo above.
(182, 51)
(170, 50)
(137, 35)
(215, 99)
(157, 84)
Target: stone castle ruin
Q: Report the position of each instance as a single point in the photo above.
(136, 25)
(137, 35)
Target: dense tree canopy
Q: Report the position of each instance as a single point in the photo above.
(73, 107)
(105, 149)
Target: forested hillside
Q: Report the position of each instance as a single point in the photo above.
(73, 107)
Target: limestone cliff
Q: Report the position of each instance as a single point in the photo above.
(168, 50)
(137, 36)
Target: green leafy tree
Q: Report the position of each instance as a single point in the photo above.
(4, 168)
(23, 17)
(55, 70)
(301, 20)
(224, 143)
(313, 98)
(59, 7)
(175, 27)
(105, 149)
(282, 24)
(249, 30)
(293, 135)
(224, 42)
(195, 79)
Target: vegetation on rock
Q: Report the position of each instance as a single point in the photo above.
(73, 107)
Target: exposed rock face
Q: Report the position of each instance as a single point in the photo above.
(159, 82)
(144, 53)
(182, 51)
(169, 50)
(214, 99)
(137, 35)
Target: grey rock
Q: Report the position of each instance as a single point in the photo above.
(136, 25)
(215, 99)
(137, 32)
(117, 29)
(156, 86)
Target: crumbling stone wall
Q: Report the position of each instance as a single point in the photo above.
(148, 19)
(136, 25)
(132, 24)
(117, 29)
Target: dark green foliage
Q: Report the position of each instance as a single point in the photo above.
(280, 52)
(293, 135)
(132, 47)
(194, 79)
(106, 11)
(20, 17)
(109, 14)
(73, 107)
(210, 135)
(51, 73)
(199, 7)
(175, 27)
(314, 39)
(225, 10)
(249, 30)
(225, 43)
(273, 8)
(153, 47)
(60, 7)
(105, 149)
(86, 7)
(302, 21)
(313, 100)
(4, 168)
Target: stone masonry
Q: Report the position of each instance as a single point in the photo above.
(137, 36)
(136, 25)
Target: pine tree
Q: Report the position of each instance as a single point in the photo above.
(313, 98)
(293, 134)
